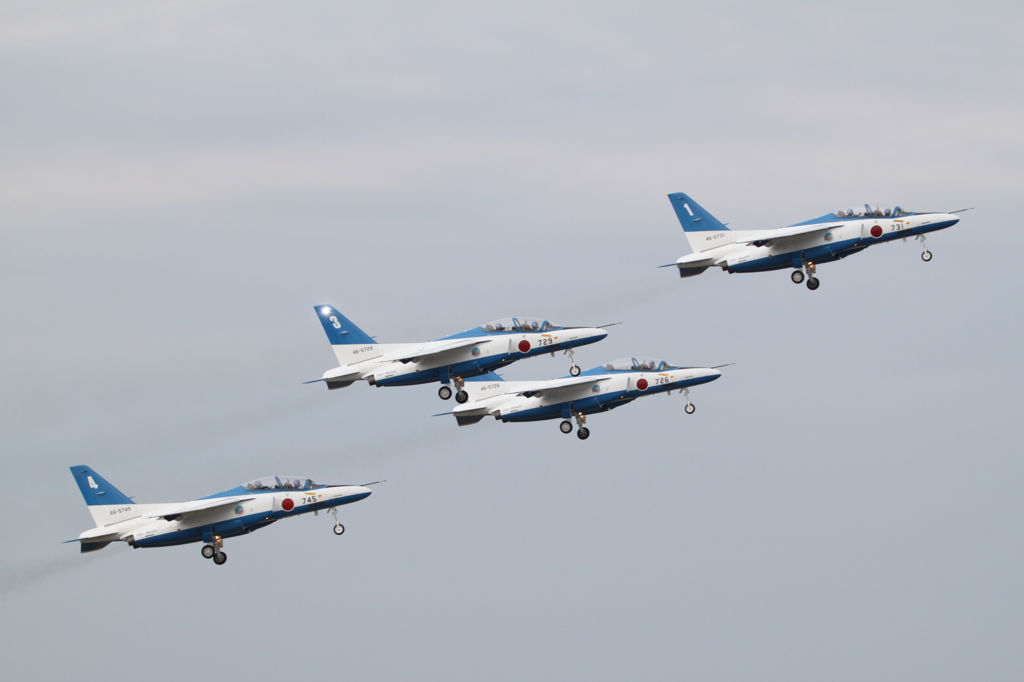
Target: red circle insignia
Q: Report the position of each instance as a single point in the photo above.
(642, 384)
(524, 346)
(876, 231)
(287, 504)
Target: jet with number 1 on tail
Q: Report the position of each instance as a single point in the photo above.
(209, 520)
(449, 360)
(573, 398)
(800, 247)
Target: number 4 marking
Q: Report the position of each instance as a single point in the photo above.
(92, 483)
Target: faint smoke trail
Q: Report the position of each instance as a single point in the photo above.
(15, 579)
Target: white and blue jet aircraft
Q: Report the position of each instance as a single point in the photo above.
(596, 390)
(450, 360)
(209, 520)
(802, 246)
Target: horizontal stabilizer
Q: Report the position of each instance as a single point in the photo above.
(97, 535)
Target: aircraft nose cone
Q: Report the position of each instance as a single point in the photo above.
(352, 493)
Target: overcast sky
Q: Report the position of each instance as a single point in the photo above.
(180, 183)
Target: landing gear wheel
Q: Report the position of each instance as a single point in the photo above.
(209, 551)
(690, 408)
(339, 529)
(565, 427)
(813, 283)
(445, 392)
(583, 433)
(797, 276)
(926, 256)
(461, 397)
(220, 558)
(575, 370)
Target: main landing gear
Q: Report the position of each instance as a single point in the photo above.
(213, 551)
(338, 528)
(574, 369)
(798, 276)
(566, 426)
(926, 255)
(445, 392)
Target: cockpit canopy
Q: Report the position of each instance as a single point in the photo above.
(519, 324)
(282, 483)
(638, 365)
(869, 211)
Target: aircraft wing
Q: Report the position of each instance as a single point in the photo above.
(787, 232)
(426, 350)
(556, 384)
(199, 505)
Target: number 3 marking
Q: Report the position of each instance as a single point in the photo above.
(334, 321)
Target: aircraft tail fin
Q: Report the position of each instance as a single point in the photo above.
(702, 229)
(106, 503)
(340, 330)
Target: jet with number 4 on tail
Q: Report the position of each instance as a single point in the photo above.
(596, 390)
(209, 520)
(800, 247)
(450, 360)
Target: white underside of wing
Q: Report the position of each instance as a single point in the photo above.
(198, 505)
(432, 348)
(786, 232)
(556, 384)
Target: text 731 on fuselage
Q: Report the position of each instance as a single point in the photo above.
(450, 360)
(238, 511)
(802, 246)
(596, 390)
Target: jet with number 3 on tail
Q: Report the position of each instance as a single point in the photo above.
(450, 360)
(800, 247)
(573, 398)
(209, 520)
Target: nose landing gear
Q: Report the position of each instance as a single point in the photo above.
(690, 407)
(338, 528)
(926, 255)
(574, 369)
